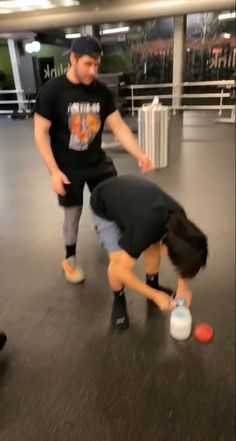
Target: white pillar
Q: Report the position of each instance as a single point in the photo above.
(15, 59)
(87, 29)
(178, 58)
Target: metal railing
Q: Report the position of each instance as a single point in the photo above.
(221, 95)
(23, 105)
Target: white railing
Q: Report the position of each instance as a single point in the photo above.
(224, 84)
(23, 105)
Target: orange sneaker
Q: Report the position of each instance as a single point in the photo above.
(73, 272)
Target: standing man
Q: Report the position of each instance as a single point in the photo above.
(135, 217)
(69, 118)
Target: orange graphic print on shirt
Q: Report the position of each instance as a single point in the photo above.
(84, 124)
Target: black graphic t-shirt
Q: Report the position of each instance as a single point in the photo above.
(139, 207)
(77, 113)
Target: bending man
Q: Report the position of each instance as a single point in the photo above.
(132, 217)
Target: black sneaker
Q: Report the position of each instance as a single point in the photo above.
(3, 339)
(119, 315)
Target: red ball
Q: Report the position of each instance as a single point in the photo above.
(203, 332)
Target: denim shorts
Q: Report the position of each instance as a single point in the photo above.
(108, 232)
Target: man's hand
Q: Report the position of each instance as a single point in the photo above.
(184, 293)
(58, 179)
(162, 300)
(145, 163)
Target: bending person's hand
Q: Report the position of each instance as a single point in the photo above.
(163, 301)
(186, 294)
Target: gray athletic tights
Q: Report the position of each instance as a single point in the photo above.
(71, 224)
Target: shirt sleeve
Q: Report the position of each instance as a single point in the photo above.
(110, 105)
(45, 102)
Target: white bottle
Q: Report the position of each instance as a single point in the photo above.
(180, 321)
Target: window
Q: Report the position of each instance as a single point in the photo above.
(210, 46)
(145, 50)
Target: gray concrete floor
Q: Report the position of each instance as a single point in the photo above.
(64, 374)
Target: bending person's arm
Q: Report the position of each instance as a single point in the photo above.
(183, 291)
(121, 265)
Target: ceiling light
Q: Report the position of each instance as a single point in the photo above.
(226, 35)
(73, 35)
(227, 16)
(24, 3)
(35, 46)
(66, 3)
(29, 48)
(114, 30)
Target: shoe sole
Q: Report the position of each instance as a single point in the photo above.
(120, 327)
(72, 279)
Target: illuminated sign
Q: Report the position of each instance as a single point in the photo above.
(219, 61)
(55, 72)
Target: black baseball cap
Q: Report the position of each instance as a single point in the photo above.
(86, 45)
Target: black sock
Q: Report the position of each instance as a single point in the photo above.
(120, 293)
(119, 315)
(152, 280)
(3, 339)
(70, 250)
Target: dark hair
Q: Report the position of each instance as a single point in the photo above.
(78, 56)
(187, 245)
